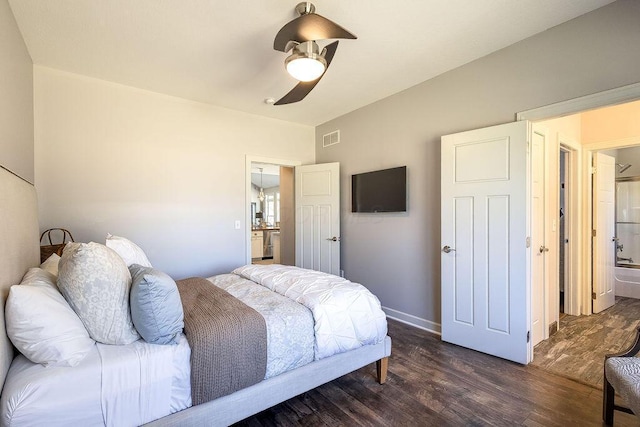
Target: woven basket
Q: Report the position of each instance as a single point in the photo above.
(47, 250)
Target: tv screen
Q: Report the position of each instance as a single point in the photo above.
(380, 191)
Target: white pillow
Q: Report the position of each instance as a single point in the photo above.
(41, 324)
(128, 251)
(96, 283)
(51, 264)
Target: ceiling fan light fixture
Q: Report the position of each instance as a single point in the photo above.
(306, 63)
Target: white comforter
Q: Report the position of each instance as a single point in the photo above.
(346, 314)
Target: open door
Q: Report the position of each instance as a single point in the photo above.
(485, 255)
(540, 253)
(604, 238)
(318, 217)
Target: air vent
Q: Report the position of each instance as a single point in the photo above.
(331, 138)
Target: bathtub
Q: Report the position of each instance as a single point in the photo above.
(627, 282)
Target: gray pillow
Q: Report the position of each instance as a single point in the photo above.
(95, 282)
(156, 307)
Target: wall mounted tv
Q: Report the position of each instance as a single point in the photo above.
(380, 191)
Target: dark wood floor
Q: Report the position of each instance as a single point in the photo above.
(432, 383)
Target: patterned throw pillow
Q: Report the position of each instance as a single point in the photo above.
(96, 283)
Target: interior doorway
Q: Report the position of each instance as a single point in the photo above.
(564, 225)
(270, 224)
(607, 131)
(272, 220)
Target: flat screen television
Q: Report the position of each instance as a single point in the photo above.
(380, 191)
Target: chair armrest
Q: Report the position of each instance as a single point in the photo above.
(629, 352)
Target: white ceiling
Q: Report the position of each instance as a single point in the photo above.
(220, 52)
(265, 175)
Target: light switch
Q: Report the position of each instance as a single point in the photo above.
(237, 224)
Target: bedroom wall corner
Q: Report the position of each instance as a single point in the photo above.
(16, 102)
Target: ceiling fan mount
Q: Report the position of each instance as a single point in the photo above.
(307, 63)
(305, 7)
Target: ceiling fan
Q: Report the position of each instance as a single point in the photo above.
(307, 63)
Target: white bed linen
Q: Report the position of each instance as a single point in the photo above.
(346, 314)
(142, 382)
(67, 395)
(290, 334)
(76, 396)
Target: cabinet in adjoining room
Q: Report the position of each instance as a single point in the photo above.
(256, 244)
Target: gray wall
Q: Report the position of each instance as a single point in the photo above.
(16, 98)
(397, 255)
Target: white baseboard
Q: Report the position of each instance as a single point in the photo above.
(409, 319)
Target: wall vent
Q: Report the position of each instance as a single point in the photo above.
(331, 138)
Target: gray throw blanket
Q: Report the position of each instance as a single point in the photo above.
(228, 340)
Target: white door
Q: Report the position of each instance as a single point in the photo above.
(604, 243)
(318, 217)
(539, 253)
(485, 221)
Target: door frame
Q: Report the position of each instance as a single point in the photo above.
(249, 159)
(573, 192)
(581, 259)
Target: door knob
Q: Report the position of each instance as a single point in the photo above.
(447, 249)
(544, 249)
(333, 239)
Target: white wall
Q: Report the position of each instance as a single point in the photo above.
(166, 172)
(398, 255)
(16, 98)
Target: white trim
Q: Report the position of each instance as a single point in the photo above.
(247, 205)
(416, 322)
(618, 95)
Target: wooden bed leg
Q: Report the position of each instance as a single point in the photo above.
(381, 368)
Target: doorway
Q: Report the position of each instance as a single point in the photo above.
(606, 131)
(564, 225)
(272, 222)
(578, 300)
(270, 226)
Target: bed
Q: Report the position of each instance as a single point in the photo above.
(283, 380)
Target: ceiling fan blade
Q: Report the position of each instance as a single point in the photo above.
(309, 27)
(302, 89)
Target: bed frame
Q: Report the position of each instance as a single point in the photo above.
(20, 249)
